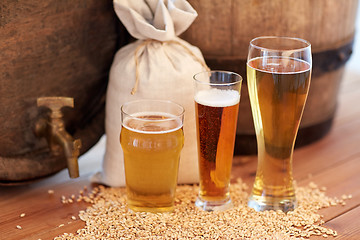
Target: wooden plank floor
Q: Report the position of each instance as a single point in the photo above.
(333, 162)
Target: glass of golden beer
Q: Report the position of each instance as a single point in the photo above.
(151, 138)
(217, 97)
(278, 79)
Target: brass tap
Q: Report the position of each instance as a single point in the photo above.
(53, 129)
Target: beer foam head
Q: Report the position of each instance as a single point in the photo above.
(152, 122)
(217, 98)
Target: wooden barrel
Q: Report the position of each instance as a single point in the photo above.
(224, 29)
(52, 48)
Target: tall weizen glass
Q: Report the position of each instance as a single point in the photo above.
(151, 138)
(217, 96)
(278, 79)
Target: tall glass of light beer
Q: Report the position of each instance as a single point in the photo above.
(278, 79)
(151, 138)
(217, 97)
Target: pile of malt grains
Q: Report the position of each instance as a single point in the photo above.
(108, 217)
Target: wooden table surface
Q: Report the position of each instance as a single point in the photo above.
(333, 162)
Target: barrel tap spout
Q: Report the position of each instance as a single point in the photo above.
(53, 129)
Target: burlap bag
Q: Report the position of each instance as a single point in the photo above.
(157, 66)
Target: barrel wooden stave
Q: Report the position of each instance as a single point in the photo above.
(52, 48)
(224, 29)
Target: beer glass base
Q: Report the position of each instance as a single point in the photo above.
(284, 205)
(210, 206)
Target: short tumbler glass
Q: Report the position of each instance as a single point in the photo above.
(151, 138)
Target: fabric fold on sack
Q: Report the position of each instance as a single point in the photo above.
(153, 19)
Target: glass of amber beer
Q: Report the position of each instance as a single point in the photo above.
(217, 97)
(278, 79)
(151, 138)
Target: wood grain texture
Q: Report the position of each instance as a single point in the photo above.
(348, 228)
(44, 213)
(223, 27)
(346, 225)
(223, 30)
(52, 48)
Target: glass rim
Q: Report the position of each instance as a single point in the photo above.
(176, 116)
(218, 84)
(252, 44)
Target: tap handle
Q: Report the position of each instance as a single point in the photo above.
(55, 104)
(72, 162)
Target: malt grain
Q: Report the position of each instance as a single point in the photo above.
(109, 218)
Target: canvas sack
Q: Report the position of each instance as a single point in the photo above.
(159, 65)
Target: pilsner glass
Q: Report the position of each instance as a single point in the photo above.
(217, 96)
(151, 138)
(278, 78)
